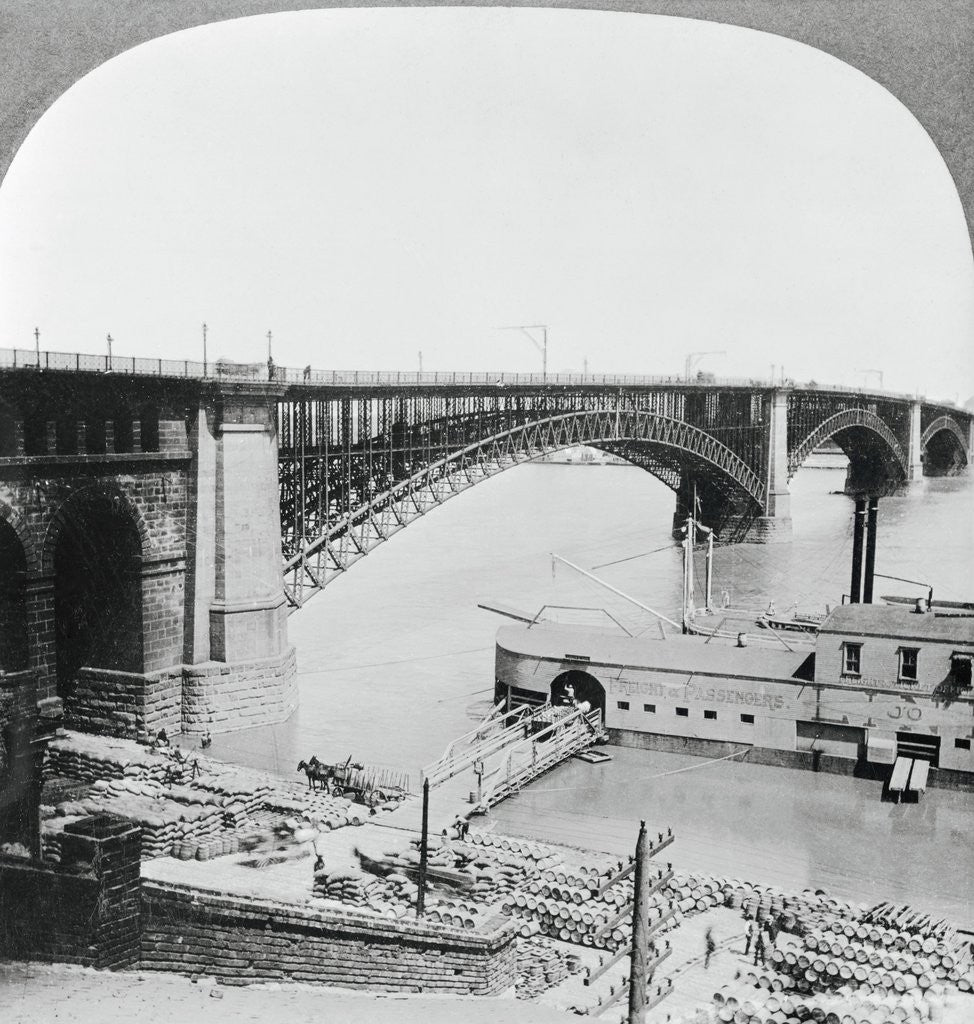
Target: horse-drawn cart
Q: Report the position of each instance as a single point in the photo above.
(368, 786)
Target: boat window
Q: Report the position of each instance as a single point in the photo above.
(851, 659)
(909, 656)
(712, 715)
(651, 708)
(962, 744)
(960, 669)
(747, 719)
(622, 705)
(683, 712)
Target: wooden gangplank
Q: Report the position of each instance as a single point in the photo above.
(918, 776)
(901, 774)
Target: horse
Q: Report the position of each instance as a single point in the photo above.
(316, 772)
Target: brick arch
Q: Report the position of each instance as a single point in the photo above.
(23, 533)
(62, 514)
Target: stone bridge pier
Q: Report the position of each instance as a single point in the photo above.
(734, 516)
(238, 666)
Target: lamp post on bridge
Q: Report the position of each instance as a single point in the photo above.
(108, 338)
(37, 345)
(204, 349)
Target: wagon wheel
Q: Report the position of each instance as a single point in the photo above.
(375, 797)
(337, 790)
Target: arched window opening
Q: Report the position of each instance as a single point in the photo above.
(583, 688)
(13, 601)
(97, 591)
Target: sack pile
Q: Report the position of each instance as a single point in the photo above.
(540, 967)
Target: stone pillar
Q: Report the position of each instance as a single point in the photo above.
(248, 614)
(240, 670)
(914, 450)
(775, 524)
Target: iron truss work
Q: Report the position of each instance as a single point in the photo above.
(347, 487)
(838, 425)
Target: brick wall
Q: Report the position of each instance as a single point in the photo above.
(245, 940)
(87, 911)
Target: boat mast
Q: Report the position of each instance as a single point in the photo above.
(619, 593)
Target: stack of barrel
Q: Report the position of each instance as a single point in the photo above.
(567, 904)
(794, 912)
(744, 1006)
(541, 855)
(455, 913)
(866, 955)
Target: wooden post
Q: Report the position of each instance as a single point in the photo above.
(640, 931)
(423, 850)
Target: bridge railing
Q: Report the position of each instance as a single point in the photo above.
(222, 369)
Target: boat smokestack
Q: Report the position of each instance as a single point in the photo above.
(867, 583)
(858, 527)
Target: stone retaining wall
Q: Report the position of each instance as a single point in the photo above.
(221, 697)
(212, 696)
(240, 940)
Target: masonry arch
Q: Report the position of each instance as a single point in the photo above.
(95, 549)
(943, 448)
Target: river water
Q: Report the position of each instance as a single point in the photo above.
(396, 659)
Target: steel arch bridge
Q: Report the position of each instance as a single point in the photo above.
(308, 471)
(362, 456)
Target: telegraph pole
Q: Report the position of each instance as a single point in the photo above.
(204, 349)
(37, 345)
(640, 931)
(423, 851)
(541, 346)
(694, 357)
(109, 339)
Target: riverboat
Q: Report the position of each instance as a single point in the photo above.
(868, 685)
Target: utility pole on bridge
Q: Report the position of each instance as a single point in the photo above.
(541, 346)
(694, 357)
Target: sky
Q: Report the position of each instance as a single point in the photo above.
(373, 184)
